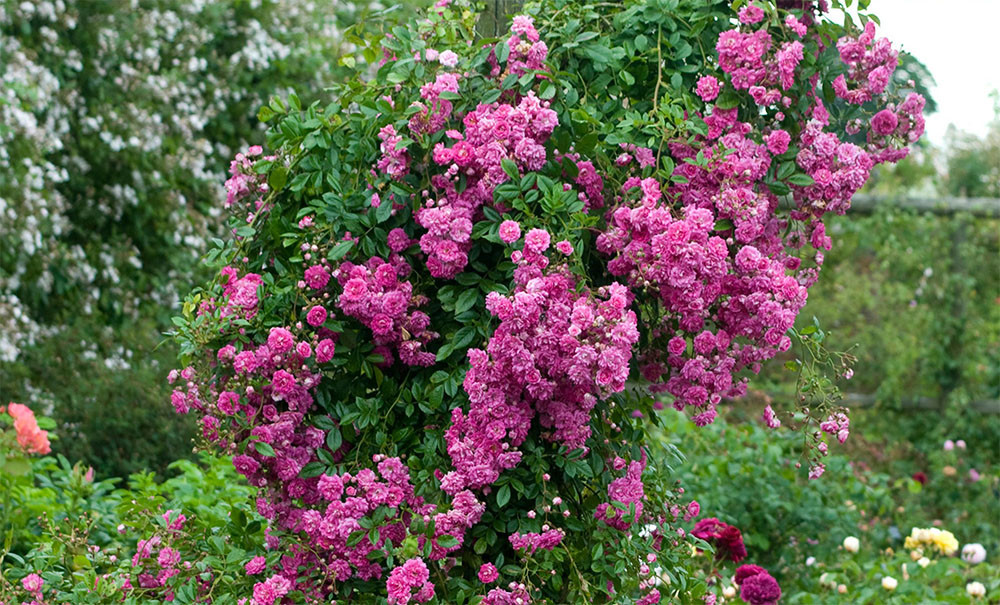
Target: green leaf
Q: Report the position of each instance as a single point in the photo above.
(384, 211)
(340, 250)
(801, 179)
(587, 143)
(778, 188)
(265, 113)
(313, 469)
(396, 77)
(334, 439)
(447, 541)
(444, 352)
(264, 449)
(503, 51)
(466, 300)
(355, 537)
(547, 91)
(728, 100)
(276, 179)
(510, 168)
(785, 170)
(503, 495)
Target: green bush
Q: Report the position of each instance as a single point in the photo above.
(73, 531)
(909, 295)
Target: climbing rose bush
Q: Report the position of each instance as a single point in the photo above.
(455, 299)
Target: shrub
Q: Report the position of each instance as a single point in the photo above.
(85, 535)
(372, 241)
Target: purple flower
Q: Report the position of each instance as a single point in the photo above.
(255, 565)
(707, 88)
(488, 573)
(884, 122)
(760, 589)
(510, 231)
(316, 316)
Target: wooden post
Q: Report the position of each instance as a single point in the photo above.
(493, 21)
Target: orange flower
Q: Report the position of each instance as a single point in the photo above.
(33, 439)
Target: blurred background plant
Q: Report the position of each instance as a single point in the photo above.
(875, 489)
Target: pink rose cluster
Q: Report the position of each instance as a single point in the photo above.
(556, 352)
(531, 541)
(643, 156)
(870, 64)
(527, 51)
(245, 187)
(492, 134)
(375, 295)
(720, 270)
(156, 561)
(336, 507)
(514, 594)
(591, 184)
(395, 162)
(410, 582)
(905, 122)
(700, 282)
(240, 294)
(626, 495)
(435, 111)
(747, 58)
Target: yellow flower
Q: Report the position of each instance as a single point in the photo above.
(943, 540)
(946, 542)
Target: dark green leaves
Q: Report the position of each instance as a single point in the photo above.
(340, 250)
(503, 495)
(334, 439)
(264, 449)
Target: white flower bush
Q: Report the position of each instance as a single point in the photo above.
(117, 122)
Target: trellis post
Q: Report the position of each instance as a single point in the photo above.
(493, 21)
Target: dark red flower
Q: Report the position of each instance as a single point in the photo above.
(920, 477)
(760, 589)
(745, 571)
(730, 546)
(727, 540)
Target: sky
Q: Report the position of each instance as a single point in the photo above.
(957, 41)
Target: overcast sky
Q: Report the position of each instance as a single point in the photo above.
(958, 42)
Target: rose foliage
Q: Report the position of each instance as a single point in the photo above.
(456, 297)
